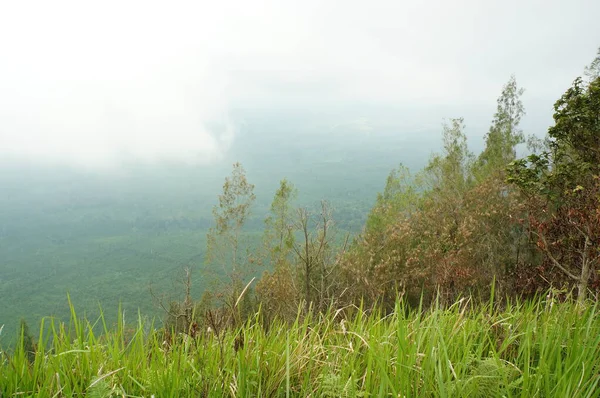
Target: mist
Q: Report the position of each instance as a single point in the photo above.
(96, 85)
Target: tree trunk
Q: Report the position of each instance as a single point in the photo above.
(582, 286)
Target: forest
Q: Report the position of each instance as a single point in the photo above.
(477, 274)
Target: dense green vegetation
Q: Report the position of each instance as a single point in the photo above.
(540, 348)
(110, 237)
(292, 303)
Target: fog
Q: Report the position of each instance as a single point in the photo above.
(94, 84)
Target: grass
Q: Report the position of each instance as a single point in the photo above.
(530, 349)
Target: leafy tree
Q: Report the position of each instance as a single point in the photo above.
(413, 227)
(443, 256)
(277, 239)
(563, 190)
(504, 134)
(501, 246)
(278, 294)
(473, 210)
(452, 227)
(399, 197)
(305, 258)
(593, 70)
(233, 210)
(450, 170)
(224, 245)
(277, 290)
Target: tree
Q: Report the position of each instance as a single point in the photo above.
(416, 229)
(180, 316)
(301, 246)
(233, 210)
(563, 190)
(313, 252)
(451, 169)
(504, 134)
(501, 246)
(449, 229)
(277, 289)
(443, 257)
(593, 70)
(277, 239)
(224, 244)
(399, 197)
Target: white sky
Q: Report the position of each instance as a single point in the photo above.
(88, 82)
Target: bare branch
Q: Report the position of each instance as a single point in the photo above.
(554, 260)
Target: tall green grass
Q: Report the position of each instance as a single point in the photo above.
(530, 349)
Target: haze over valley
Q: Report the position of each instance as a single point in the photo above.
(300, 161)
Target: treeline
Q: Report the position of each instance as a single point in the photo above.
(463, 223)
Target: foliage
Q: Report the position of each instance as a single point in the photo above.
(225, 244)
(592, 71)
(452, 227)
(277, 239)
(463, 223)
(232, 212)
(308, 270)
(106, 237)
(279, 294)
(504, 134)
(277, 289)
(399, 198)
(524, 349)
(563, 190)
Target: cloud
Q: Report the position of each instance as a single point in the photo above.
(95, 82)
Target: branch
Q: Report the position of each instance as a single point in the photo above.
(298, 253)
(554, 260)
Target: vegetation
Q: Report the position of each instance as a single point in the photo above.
(538, 348)
(111, 238)
(460, 284)
(562, 186)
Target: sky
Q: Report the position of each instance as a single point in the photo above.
(90, 83)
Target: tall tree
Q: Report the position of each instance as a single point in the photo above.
(314, 253)
(592, 71)
(563, 189)
(450, 227)
(400, 197)
(232, 212)
(451, 169)
(504, 134)
(301, 246)
(277, 289)
(277, 239)
(496, 204)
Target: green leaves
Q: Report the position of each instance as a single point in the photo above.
(225, 245)
(504, 134)
(278, 239)
(562, 187)
(453, 225)
(235, 201)
(399, 199)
